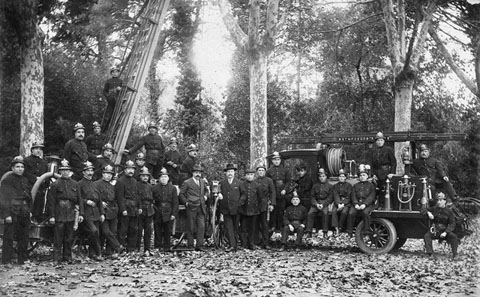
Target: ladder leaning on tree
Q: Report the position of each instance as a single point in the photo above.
(135, 73)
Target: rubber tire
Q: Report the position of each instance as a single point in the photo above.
(384, 237)
(400, 242)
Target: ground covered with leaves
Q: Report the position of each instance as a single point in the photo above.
(330, 267)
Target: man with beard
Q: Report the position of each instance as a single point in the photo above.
(94, 214)
(76, 153)
(64, 199)
(166, 210)
(126, 192)
(228, 204)
(268, 194)
(193, 194)
(15, 202)
(97, 140)
(108, 228)
(36, 166)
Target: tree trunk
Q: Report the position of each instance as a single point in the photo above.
(258, 108)
(31, 77)
(403, 116)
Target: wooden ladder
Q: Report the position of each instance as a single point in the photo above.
(135, 73)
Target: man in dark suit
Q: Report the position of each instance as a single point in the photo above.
(193, 194)
(229, 202)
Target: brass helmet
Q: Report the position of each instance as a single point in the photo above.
(129, 164)
(87, 165)
(192, 147)
(108, 146)
(17, 159)
(108, 169)
(96, 124)
(144, 171)
(140, 156)
(78, 126)
(163, 172)
(342, 172)
(276, 155)
(379, 135)
(64, 165)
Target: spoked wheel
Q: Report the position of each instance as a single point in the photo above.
(219, 235)
(381, 241)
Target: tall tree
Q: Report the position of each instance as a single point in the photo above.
(258, 43)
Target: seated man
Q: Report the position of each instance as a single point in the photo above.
(342, 192)
(442, 225)
(363, 200)
(435, 172)
(322, 196)
(294, 221)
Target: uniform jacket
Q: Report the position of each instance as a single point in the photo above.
(250, 198)
(176, 158)
(126, 191)
(322, 193)
(231, 197)
(186, 169)
(110, 88)
(342, 193)
(431, 168)
(383, 161)
(268, 192)
(305, 185)
(166, 201)
(63, 196)
(443, 218)
(155, 149)
(15, 197)
(88, 192)
(100, 164)
(146, 198)
(76, 153)
(193, 194)
(106, 191)
(34, 167)
(295, 213)
(95, 143)
(280, 177)
(363, 193)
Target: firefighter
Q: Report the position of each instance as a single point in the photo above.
(145, 219)
(166, 210)
(305, 185)
(15, 202)
(111, 91)
(64, 203)
(268, 193)
(139, 164)
(97, 140)
(280, 176)
(321, 198)
(435, 172)
(186, 169)
(36, 166)
(76, 153)
(104, 160)
(173, 161)
(229, 203)
(108, 228)
(342, 192)
(250, 200)
(363, 201)
(155, 150)
(94, 213)
(294, 221)
(126, 192)
(442, 225)
(194, 194)
(383, 162)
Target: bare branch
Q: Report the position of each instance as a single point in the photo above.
(239, 37)
(419, 45)
(470, 84)
(350, 25)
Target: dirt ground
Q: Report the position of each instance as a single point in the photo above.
(331, 267)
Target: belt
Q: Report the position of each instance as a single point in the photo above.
(279, 182)
(65, 203)
(19, 202)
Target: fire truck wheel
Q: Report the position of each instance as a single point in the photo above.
(381, 240)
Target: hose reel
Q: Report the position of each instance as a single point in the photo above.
(335, 159)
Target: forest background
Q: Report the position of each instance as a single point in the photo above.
(329, 72)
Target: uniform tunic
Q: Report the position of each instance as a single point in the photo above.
(186, 169)
(76, 153)
(176, 158)
(268, 192)
(34, 167)
(88, 192)
(342, 192)
(15, 202)
(155, 149)
(363, 193)
(95, 143)
(443, 221)
(64, 194)
(305, 185)
(295, 216)
(106, 191)
(126, 191)
(100, 164)
(166, 204)
(383, 161)
(250, 198)
(322, 194)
